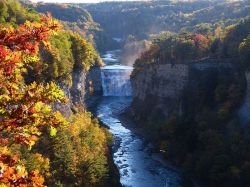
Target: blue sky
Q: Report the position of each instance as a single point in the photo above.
(75, 1)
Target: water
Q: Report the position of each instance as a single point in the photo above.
(245, 108)
(111, 57)
(138, 163)
(116, 80)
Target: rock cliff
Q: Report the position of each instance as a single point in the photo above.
(161, 90)
(84, 85)
(158, 89)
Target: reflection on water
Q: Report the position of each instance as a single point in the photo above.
(137, 164)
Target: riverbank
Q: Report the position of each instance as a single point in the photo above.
(138, 164)
(114, 175)
(128, 122)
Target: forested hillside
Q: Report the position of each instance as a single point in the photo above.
(156, 16)
(202, 132)
(79, 20)
(228, 42)
(102, 22)
(76, 18)
(190, 78)
(12, 13)
(39, 146)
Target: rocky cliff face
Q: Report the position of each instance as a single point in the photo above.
(158, 89)
(163, 90)
(84, 85)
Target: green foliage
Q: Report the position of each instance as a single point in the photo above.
(244, 51)
(173, 48)
(12, 12)
(58, 60)
(84, 53)
(156, 16)
(79, 153)
(203, 28)
(68, 51)
(79, 20)
(36, 161)
(230, 42)
(235, 34)
(4, 11)
(70, 13)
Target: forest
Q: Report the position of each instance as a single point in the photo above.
(39, 146)
(156, 16)
(49, 136)
(208, 140)
(81, 21)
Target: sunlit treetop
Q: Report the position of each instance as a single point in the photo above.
(24, 109)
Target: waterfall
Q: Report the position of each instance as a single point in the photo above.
(244, 110)
(116, 80)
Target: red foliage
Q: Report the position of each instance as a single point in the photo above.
(201, 41)
(20, 122)
(27, 37)
(13, 173)
(199, 38)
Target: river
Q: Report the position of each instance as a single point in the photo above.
(138, 163)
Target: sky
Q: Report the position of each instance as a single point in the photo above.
(75, 1)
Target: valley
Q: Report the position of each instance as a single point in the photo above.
(125, 93)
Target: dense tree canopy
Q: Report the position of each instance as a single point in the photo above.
(78, 153)
(156, 16)
(208, 140)
(25, 109)
(12, 12)
(31, 56)
(185, 47)
(79, 20)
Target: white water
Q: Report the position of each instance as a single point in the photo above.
(116, 80)
(138, 163)
(111, 57)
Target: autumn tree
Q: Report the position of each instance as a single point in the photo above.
(244, 50)
(24, 109)
(78, 152)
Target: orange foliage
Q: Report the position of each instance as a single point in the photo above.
(24, 109)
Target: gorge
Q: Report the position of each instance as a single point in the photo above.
(133, 94)
(139, 163)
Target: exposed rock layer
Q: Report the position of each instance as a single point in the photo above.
(161, 90)
(84, 85)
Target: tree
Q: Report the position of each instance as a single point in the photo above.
(78, 153)
(244, 50)
(3, 12)
(24, 109)
(184, 49)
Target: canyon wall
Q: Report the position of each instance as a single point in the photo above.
(157, 89)
(84, 86)
(162, 90)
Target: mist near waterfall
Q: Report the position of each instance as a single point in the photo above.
(132, 50)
